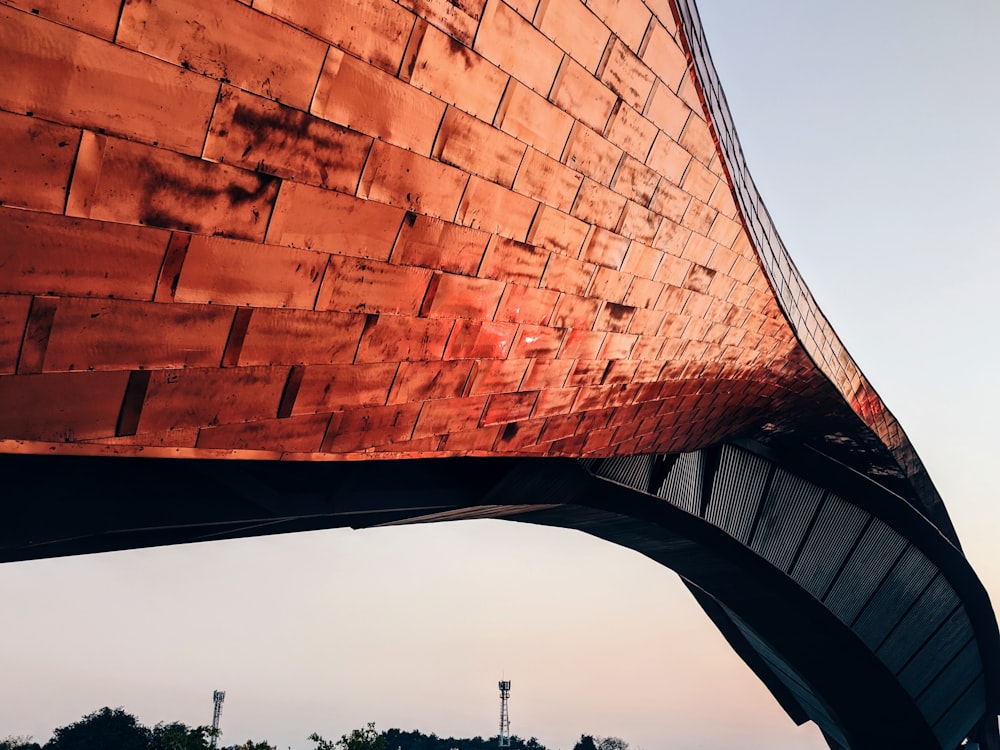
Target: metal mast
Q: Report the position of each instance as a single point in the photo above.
(217, 697)
(504, 718)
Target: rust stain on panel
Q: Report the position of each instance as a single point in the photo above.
(433, 243)
(36, 160)
(328, 388)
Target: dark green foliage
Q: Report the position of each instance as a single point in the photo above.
(19, 743)
(367, 738)
(251, 745)
(397, 739)
(177, 736)
(107, 729)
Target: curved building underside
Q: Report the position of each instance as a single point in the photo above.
(281, 265)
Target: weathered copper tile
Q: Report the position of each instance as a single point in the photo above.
(478, 147)
(639, 224)
(95, 334)
(272, 58)
(502, 38)
(582, 344)
(698, 217)
(493, 208)
(302, 433)
(615, 317)
(628, 19)
(184, 437)
(566, 274)
(96, 17)
(648, 349)
(724, 230)
(61, 407)
(663, 54)
(137, 184)
(635, 181)
(13, 319)
(591, 397)
(589, 153)
(363, 98)
(497, 376)
(480, 340)
(456, 18)
(44, 254)
(666, 110)
(625, 74)
(578, 92)
(670, 201)
(372, 286)
(454, 414)
(559, 426)
(36, 163)
(374, 30)
(699, 181)
(292, 337)
(610, 285)
(424, 381)
(532, 119)
(574, 311)
(697, 139)
(509, 260)
(722, 260)
(76, 79)
(537, 342)
(207, 397)
(433, 243)
(233, 272)
(688, 91)
(394, 338)
(509, 407)
(262, 135)
(643, 293)
(642, 260)
(545, 179)
(571, 25)
(556, 400)
(362, 428)
(646, 322)
(471, 442)
(444, 66)
(519, 437)
(416, 183)
(722, 200)
(554, 230)
(310, 217)
(598, 205)
(522, 304)
(617, 346)
(546, 375)
(454, 296)
(336, 387)
(671, 237)
(605, 248)
(632, 132)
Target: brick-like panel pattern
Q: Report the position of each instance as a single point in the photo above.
(398, 228)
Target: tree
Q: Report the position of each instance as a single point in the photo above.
(19, 742)
(107, 729)
(586, 742)
(611, 743)
(178, 736)
(367, 738)
(251, 745)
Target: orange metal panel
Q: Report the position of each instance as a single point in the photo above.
(670, 237)
(458, 19)
(666, 110)
(371, 286)
(590, 153)
(36, 161)
(478, 148)
(643, 293)
(233, 272)
(424, 381)
(629, 18)
(326, 388)
(395, 338)
(417, 183)
(614, 316)
(532, 119)
(443, 66)
(357, 95)
(554, 230)
(44, 254)
(271, 58)
(508, 407)
(598, 205)
(670, 201)
(567, 274)
(509, 260)
(73, 78)
(625, 74)
(578, 92)
(537, 342)
(635, 181)
(582, 344)
(207, 397)
(463, 297)
(136, 184)
(521, 304)
(609, 284)
(374, 30)
(95, 334)
(546, 374)
(698, 217)
(97, 17)
(61, 407)
(631, 131)
(502, 38)
(451, 415)
(574, 311)
(262, 135)
(320, 219)
(357, 429)
(605, 248)
(545, 179)
(638, 223)
(697, 139)
(497, 376)
(699, 181)
(296, 337)
(494, 208)
(475, 340)
(571, 25)
(432, 243)
(661, 52)
(304, 433)
(13, 320)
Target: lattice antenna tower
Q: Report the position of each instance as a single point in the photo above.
(217, 697)
(504, 717)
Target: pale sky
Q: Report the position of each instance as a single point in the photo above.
(870, 131)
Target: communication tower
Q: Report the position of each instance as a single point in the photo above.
(217, 697)
(504, 718)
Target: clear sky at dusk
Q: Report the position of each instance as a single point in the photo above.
(870, 130)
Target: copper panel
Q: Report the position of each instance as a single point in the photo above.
(502, 36)
(75, 79)
(207, 397)
(475, 340)
(326, 388)
(232, 272)
(463, 297)
(374, 30)
(537, 342)
(426, 381)
(579, 93)
(395, 338)
(478, 148)
(496, 376)
(591, 154)
(371, 286)
(522, 304)
(545, 179)
(598, 205)
(432, 243)
(301, 434)
(629, 18)
(458, 19)
(319, 219)
(356, 95)
(13, 319)
(36, 160)
(668, 158)
(138, 184)
(44, 254)
(508, 407)
(61, 407)
(661, 52)
(97, 17)
(533, 120)
(575, 29)
(635, 181)
(632, 132)
(416, 183)
(93, 334)
(625, 74)
(258, 134)
(509, 260)
(558, 231)
(699, 181)
(271, 58)
(567, 274)
(493, 208)
(442, 417)
(300, 337)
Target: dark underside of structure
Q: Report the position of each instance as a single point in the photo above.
(853, 609)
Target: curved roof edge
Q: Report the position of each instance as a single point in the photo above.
(807, 321)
